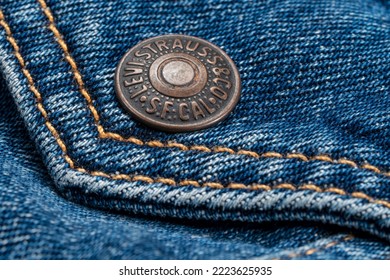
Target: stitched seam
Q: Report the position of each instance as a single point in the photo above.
(320, 248)
(147, 179)
(158, 144)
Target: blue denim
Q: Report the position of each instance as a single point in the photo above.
(300, 169)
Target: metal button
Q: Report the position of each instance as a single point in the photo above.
(177, 83)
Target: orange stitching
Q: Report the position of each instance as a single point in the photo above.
(286, 186)
(223, 150)
(348, 162)
(272, 155)
(147, 179)
(323, 158)
(298, 156)
(166, 181)
(121, 177)
(371, 167)
(189, 183)
(143, 179)
(33, 88)
(201, 148)
(326, 246)
(311, 188)
(177, 145)
(336, 190)
(261, 187)
(248, 153)
(159, 144)
(99, 173)
(213, 185)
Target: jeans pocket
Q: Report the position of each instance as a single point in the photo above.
(308, 140)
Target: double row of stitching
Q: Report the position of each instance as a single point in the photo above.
(34, 89)
(158, 144)
(146, 179)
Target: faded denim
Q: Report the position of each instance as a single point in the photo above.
(300, 169)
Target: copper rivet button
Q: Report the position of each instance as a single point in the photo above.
(177, 83)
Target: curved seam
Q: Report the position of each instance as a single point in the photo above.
(158, 144)
(146, 179)
(317, 249)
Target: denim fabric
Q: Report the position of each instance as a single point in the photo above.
(308, 141)
(36, 223)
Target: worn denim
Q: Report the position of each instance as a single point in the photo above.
(300, 169)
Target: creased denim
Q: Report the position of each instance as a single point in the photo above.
(308, 141)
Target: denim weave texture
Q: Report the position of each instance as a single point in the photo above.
(308, 142)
